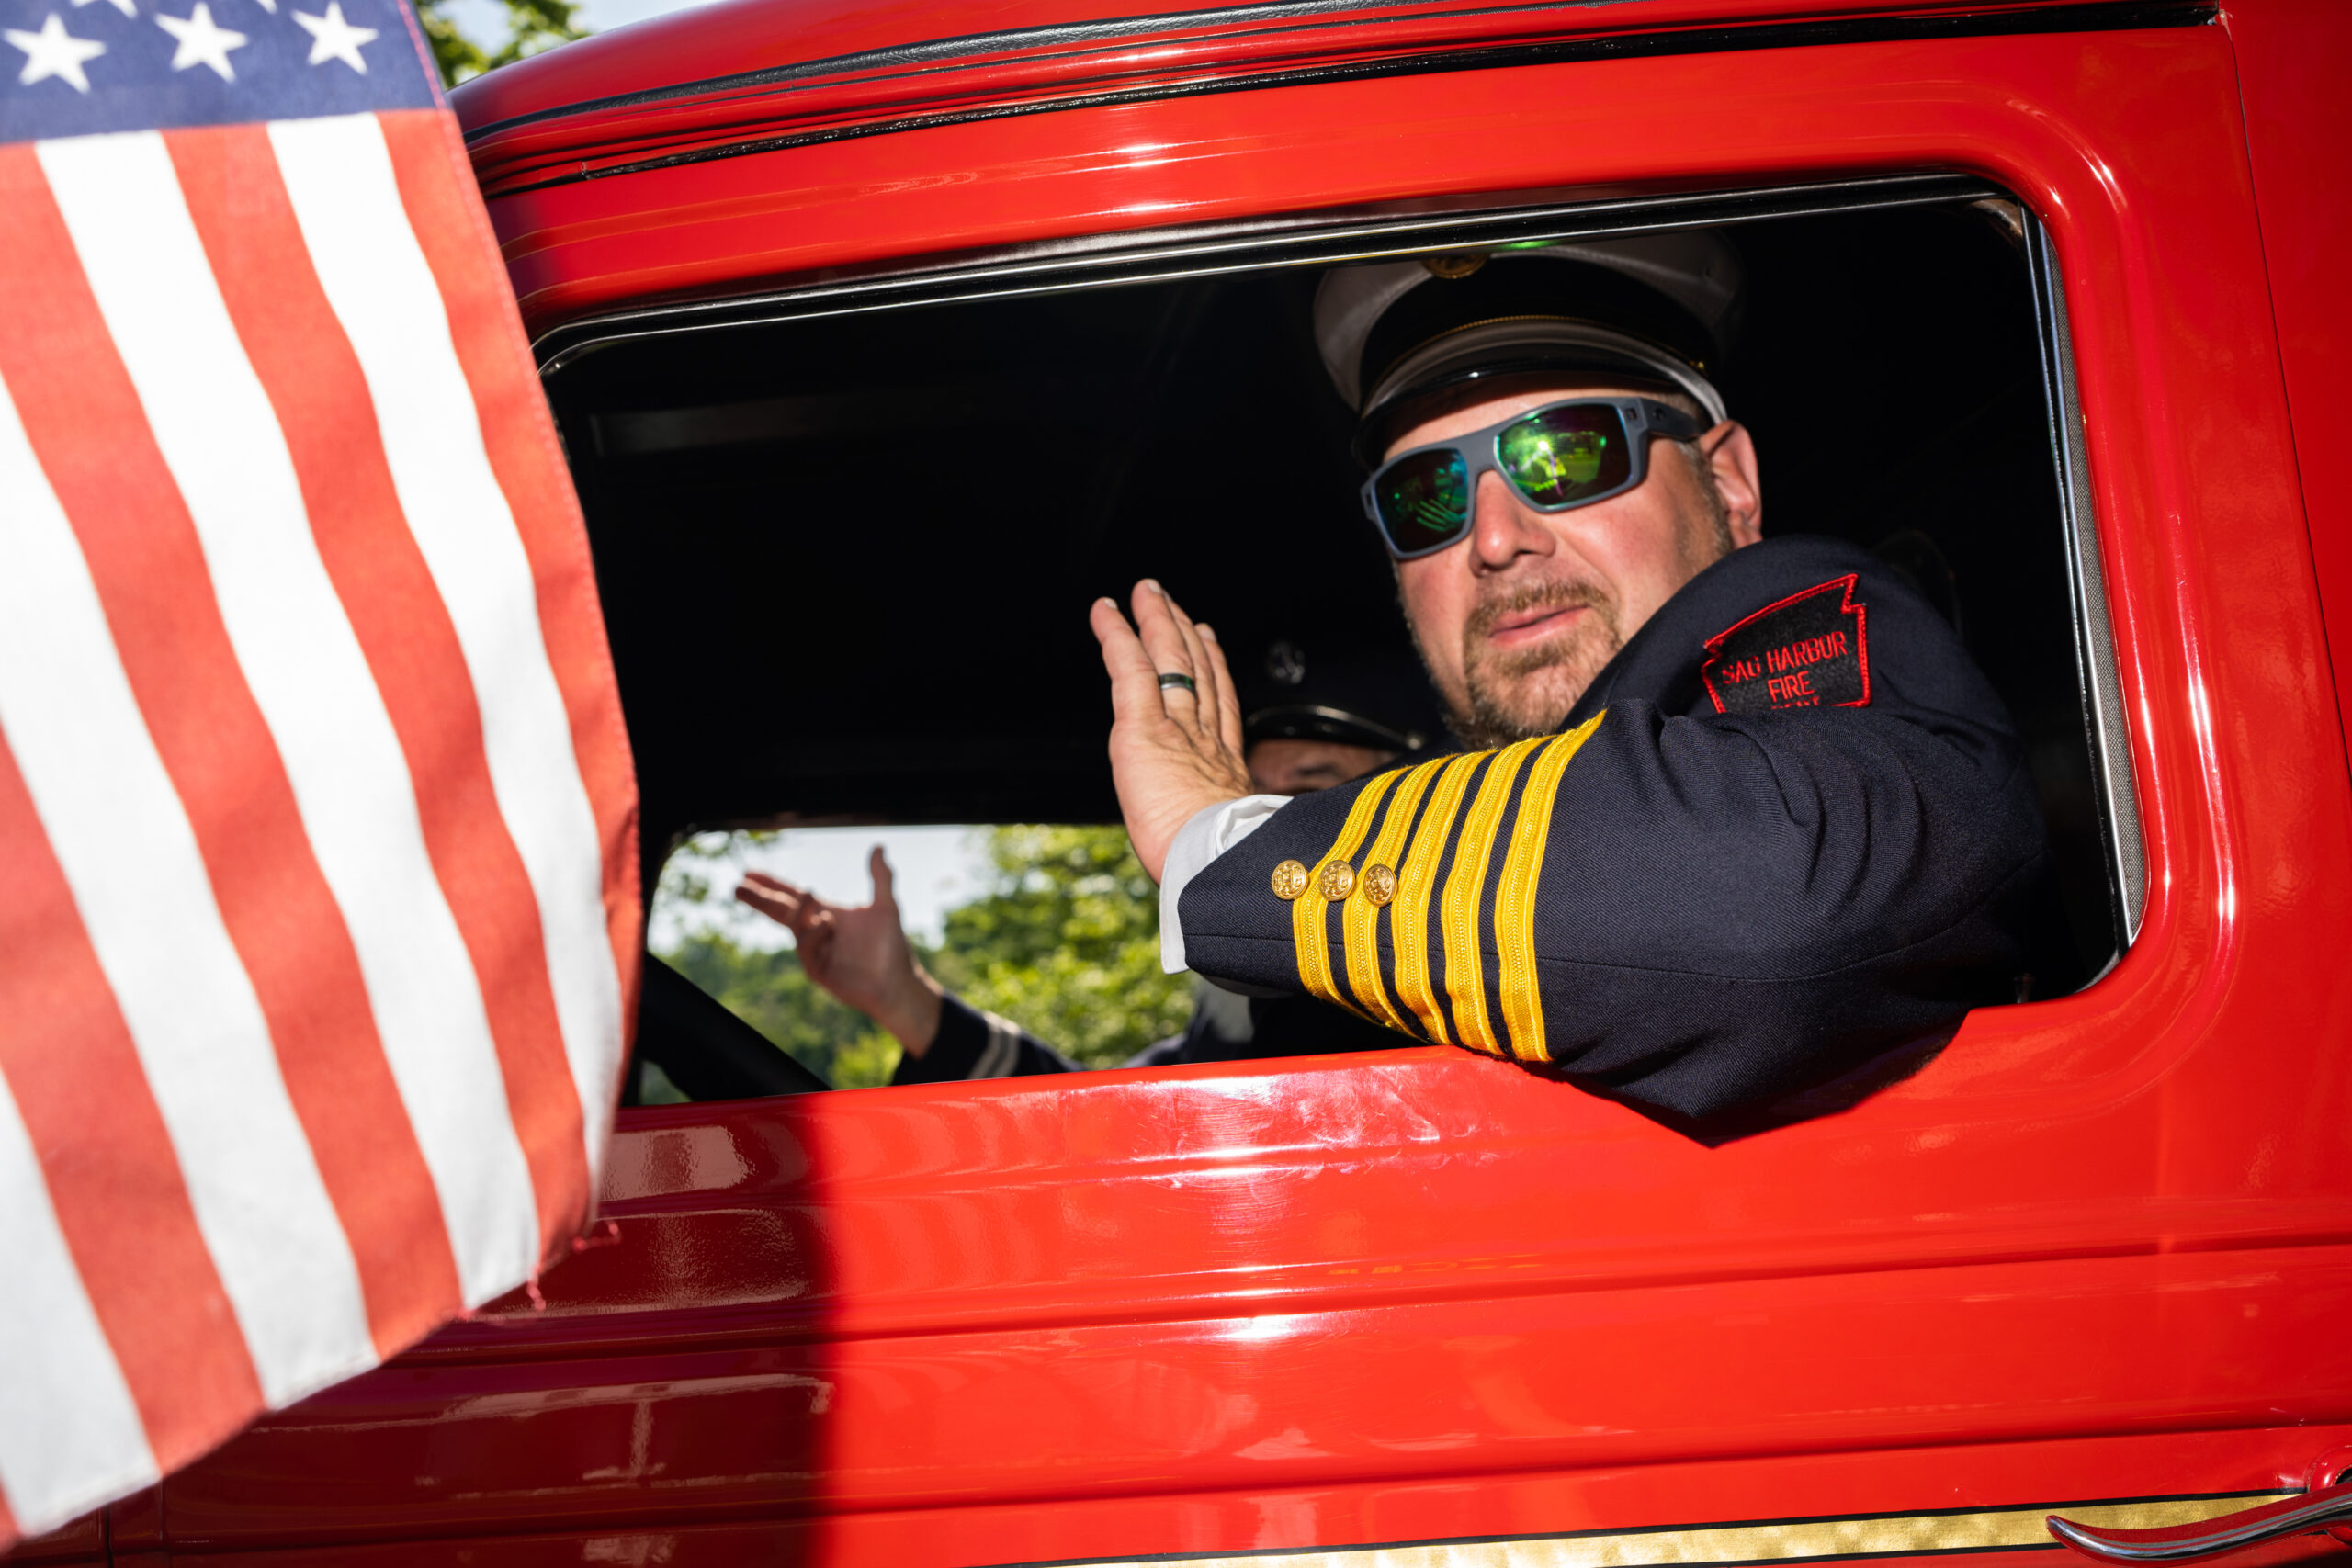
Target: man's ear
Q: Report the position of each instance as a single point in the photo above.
(1730, 452)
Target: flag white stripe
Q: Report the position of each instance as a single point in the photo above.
(347, 197)
(73, 1437)
(299, 654)
(118, 830)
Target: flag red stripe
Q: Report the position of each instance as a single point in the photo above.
(85, 421)
(105, 1154)
(315, 384)
(438, 188)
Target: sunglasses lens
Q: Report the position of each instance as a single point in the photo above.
(1560, 456)
(1424, 500)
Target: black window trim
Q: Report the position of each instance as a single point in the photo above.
(1306, 240)
(2098, 677)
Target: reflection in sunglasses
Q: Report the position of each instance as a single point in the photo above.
(1538, 459)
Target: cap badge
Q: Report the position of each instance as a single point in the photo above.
(1460, 264)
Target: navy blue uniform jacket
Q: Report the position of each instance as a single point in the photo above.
(1788, 830)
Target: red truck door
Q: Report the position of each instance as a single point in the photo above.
(2094, 1255)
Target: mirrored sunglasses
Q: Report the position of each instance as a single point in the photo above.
(1556, 457)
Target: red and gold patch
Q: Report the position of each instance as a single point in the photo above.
(1811, 649)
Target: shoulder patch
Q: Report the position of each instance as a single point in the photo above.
(1809, 650)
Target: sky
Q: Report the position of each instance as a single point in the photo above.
(603, 15)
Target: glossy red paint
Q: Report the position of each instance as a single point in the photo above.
(896, 44)
(722, 226)
(2101, 1248)
(2291, 55)
(83, 1540)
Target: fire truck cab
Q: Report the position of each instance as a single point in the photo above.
(897, 315)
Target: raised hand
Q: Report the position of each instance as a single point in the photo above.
(1174, 750)
(857, 953)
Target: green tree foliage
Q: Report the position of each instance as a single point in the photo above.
(1066, 943)
(531, 26)
(770, 992)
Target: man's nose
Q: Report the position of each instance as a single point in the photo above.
(1501, 530)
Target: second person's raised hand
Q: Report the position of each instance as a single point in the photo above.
(857, 952)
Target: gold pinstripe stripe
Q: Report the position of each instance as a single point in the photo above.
(1901, 1535)
(1465, 979)
(1515, 894)
(1309, 929)
(1360, 917)
(1408, 918)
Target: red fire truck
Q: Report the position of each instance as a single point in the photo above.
(870, 329)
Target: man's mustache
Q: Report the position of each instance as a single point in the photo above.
(1558, 593)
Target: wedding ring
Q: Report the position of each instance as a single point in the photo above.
(1167, 679)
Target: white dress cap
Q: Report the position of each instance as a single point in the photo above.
(1694, 268)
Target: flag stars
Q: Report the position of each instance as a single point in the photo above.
(125, 7)
(332, 37)
(54, 52)
(202, 41)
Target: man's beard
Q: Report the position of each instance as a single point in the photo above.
(1513, 694)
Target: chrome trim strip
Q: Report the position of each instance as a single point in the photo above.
(1160, 255)
(2326, 1508)
(1955, 18)
(1718, 1546)
(2102, 686)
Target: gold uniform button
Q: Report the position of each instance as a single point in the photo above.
(1379, 885)
(1338, 880)
(1290, 880)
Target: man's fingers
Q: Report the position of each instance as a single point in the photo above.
(756, 889)
(1163, 642)
(878, 867)
(802, 913)
(773, 886)
(1135, 688)
(1229, 700)
(1202, 713)
(778, 902)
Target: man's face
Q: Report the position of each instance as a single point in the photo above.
(1516, 620)
(1302, 767)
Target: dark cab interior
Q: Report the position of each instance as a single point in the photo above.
(846, 560)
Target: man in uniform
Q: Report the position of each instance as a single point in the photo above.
(1740, 815)
(1318, 719)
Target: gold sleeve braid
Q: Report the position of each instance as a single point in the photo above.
(1310, 931)
(1419, 840)
(1408, 916)
(1515, 894)
(1359, 918)
(1465, 980)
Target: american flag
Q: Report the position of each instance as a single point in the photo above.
(318, 902)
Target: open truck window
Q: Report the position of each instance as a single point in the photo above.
(846, 535)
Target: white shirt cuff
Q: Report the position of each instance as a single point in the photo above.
(1211, 831)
